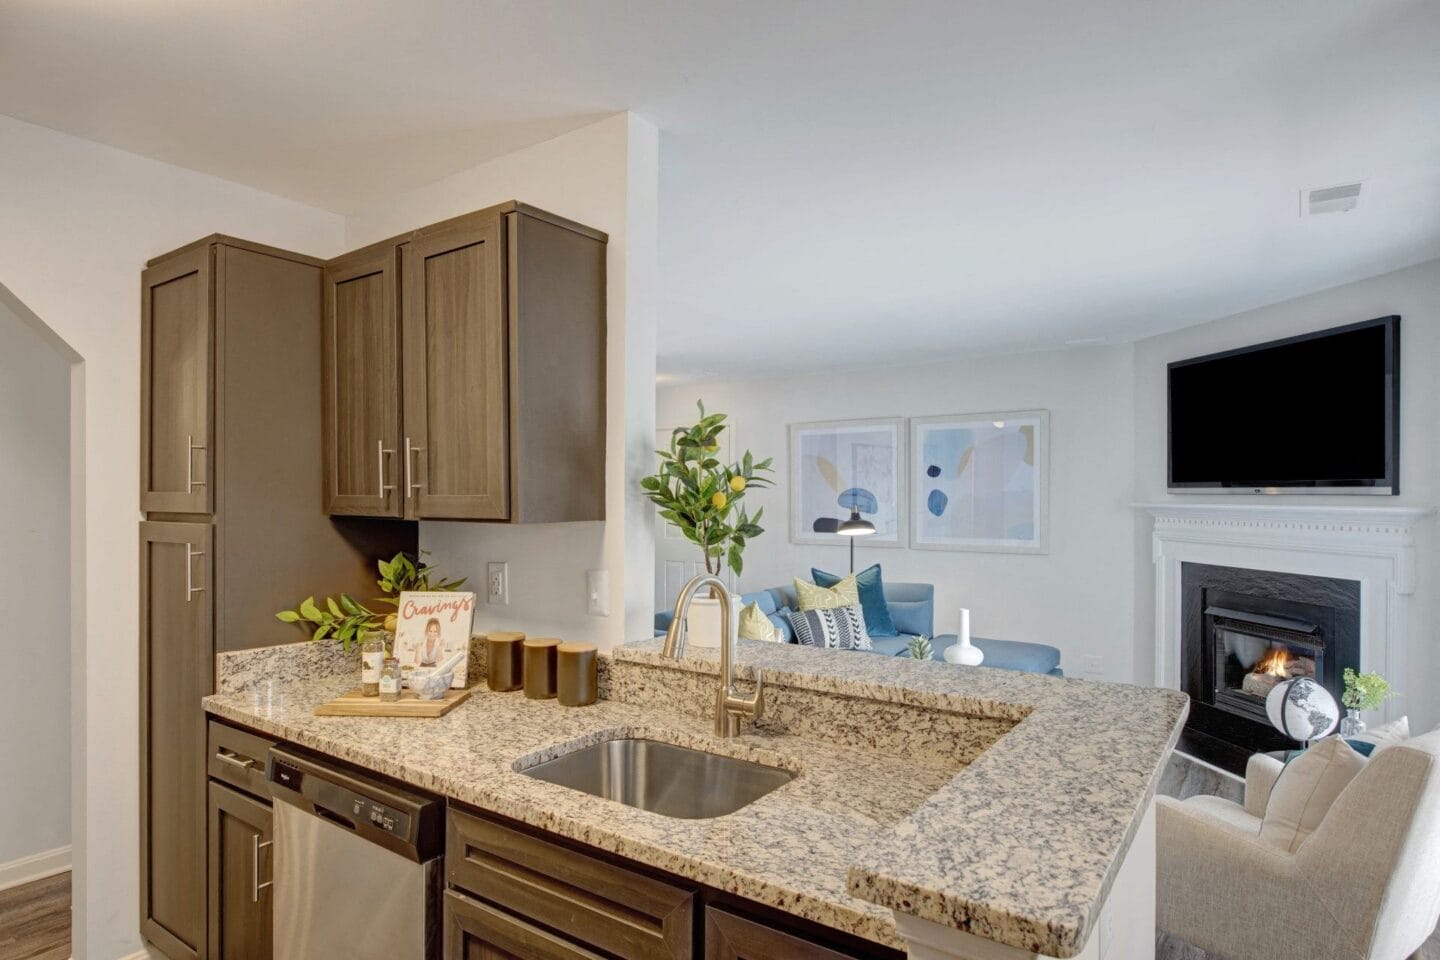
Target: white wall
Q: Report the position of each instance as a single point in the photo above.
(605, 176)
(35, 531)
(1414, 294)
(1077, 598)
(77, 223)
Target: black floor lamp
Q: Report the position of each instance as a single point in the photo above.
(853, 528)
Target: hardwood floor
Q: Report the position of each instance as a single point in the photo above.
(35, 920)
(1183, 779)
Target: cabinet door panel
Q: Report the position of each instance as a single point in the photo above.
(361, 386)
(457, 345)
(729, 937)
(177, 372)
(239, 876)
(176, 669)
(478, 931)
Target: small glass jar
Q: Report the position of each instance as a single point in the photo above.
(1352, 725)
(390, 680)
(372, 661)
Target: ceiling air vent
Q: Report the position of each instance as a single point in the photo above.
(1337, 199)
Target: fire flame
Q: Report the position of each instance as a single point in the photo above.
(1275, 662)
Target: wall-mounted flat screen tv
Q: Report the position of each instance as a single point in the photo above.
(1318, 413)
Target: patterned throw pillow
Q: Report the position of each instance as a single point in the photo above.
(846, 593)
(754, 625)
(838, 628)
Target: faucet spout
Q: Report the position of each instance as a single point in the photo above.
(730, 706)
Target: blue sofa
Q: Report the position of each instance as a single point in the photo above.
(912, 607)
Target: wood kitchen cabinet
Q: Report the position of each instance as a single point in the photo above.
(231, 483)
(240, 871)
(515, 891)
(464, 372)
(177, 377)
(176, 664)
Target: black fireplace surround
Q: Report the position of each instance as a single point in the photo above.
(1243, 631)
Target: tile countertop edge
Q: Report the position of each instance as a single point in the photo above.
(1058, 934)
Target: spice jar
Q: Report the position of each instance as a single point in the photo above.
(390, 680)
(504, 666)
(372, 661)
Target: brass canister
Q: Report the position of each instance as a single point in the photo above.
(575, 670)
(540, 667)
(504, 664)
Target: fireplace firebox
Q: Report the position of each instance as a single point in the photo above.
(1244, 631)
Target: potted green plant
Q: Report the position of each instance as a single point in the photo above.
(1363, 691)
(703, 497)
(345, 619)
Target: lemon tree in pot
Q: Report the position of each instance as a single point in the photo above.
(704, 498)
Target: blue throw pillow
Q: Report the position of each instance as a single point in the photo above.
(872, 598)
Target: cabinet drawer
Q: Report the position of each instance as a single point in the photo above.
(238, 758)
(731, 937)
(478, 931)
(618, 910)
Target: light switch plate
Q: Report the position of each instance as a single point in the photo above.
(597, 593)
(1092, 667)
(497, 582)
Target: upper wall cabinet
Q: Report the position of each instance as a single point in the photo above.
(464, 372)
(177, 383)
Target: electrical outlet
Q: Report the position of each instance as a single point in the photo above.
(597, 593)
(1092, 666)
(497, 581)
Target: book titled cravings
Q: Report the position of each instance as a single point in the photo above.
(430, 627)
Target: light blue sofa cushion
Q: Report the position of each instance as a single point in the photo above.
(872, 598)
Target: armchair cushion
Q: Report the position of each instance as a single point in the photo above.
(1305, 791)
(1261, 772)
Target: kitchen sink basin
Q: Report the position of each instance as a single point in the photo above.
(663, 778)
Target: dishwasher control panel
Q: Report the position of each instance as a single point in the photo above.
(395, 817)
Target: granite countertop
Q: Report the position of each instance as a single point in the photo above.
(1019, 846)
(791, 849)
(1022, 845)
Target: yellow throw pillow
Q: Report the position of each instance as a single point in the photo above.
(844, 594)
(754, 625)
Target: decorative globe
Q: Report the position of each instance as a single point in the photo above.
(1302, 709)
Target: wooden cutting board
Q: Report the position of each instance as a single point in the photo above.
(356, 704)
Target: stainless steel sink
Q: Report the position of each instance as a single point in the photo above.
(663, 778)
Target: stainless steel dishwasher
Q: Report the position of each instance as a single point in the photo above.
(358, 864)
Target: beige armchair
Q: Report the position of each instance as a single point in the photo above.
(1364, 886)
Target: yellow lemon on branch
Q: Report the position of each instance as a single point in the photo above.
(737, 484)
(719, 500)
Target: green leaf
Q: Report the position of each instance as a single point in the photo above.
(351, 607)
(335, 610)
(309, 611)
(288, 616)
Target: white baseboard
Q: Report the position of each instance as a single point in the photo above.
(35, 867)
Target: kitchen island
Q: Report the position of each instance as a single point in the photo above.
(1000, 806)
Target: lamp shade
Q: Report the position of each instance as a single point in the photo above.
(856, 526)
(1302, 709)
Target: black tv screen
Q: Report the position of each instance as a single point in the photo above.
(1314, 413)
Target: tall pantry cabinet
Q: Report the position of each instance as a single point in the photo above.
(231, 487)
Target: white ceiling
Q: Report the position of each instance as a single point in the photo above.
(840, 181)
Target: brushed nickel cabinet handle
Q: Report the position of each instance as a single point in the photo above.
(380, 452)
(191, 446)
(235, 760)
(255, 885)
(190, 589)
(410, 485)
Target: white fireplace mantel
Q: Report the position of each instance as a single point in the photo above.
(1372, 545)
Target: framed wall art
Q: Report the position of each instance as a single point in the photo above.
(838, 466)
(979, 481)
